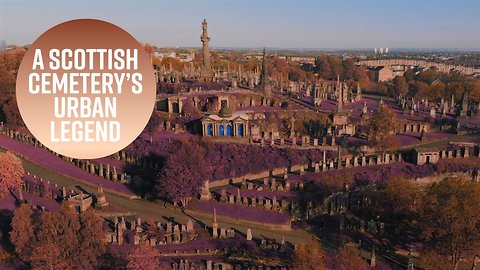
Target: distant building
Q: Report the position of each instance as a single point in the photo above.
(186, 57)
(382, 74)
(183, 57)
(302, 59)
(162, 55)
(3, 45)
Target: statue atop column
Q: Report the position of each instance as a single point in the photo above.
(206, 74)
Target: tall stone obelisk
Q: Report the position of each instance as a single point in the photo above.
(207, 69)
(264, 85)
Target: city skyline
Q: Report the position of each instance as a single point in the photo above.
(345, 24)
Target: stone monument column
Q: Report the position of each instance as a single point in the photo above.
(205, 49)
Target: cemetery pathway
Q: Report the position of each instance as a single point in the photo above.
(157, 211)
(51, 162)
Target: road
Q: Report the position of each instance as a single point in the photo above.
(149, 210)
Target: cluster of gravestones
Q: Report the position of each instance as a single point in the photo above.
(350, 200)
(186, 265)
(104, 171)
(412, 106)
(270, 183)
(273, 245)
(211, 265)
(269, 204)
(371, 226)
(304, 141)
(224, 233)
(168, 233)
(348, 162)
(168, 126)
(46, 189)
(41, 188)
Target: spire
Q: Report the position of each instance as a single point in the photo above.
(264, 85)
(463, 110)
(339, 102)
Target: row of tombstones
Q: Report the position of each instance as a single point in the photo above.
(370, 226)
(304, 141)
(43, 188)
(273, 245)
(104, 171)
(172, 233)
(210, 265)
(224, 233)
(355, 161)
(269, 183)
(342, 201)
(101, 170)
(332, 164)
(269, 204)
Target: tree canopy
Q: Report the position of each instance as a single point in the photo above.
(64, 240)
(450, 220)
(309, 257)
(381, 128)
(11, 172)
(184, 173)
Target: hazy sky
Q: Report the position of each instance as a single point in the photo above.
(258, 23)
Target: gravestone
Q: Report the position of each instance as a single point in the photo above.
(190, 226)
(249, 235)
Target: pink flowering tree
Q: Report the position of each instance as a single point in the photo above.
(143, 257)
(11, 172)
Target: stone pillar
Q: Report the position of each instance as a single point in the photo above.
(347, 162)
(100, 170)
(114, 174)
(92, 168)
(324, 161)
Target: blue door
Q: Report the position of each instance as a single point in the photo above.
(240, 130)
(229, 130)
(210, 130)
(221, 131)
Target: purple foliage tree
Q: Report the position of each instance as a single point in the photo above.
(184, 173)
